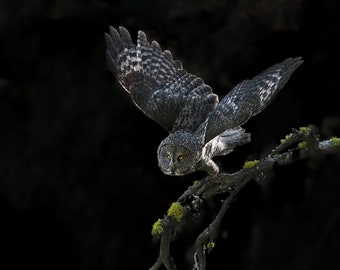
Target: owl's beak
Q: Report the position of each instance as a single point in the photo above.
(172, 171)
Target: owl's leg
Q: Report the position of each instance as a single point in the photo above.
(210, 167)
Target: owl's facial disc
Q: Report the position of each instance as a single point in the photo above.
(174, 161)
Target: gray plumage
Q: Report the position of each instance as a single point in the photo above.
(200, 127)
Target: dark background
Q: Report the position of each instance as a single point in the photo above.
(79, 182)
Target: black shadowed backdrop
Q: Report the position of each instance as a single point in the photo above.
(79, 183)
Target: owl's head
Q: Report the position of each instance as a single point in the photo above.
(179, 153)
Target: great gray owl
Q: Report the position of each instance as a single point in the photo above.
(200, 127)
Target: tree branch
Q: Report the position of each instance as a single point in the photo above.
(299, 144)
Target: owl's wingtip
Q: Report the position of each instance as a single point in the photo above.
(298, 59)
(141, 34)
(291, 63)
(122, 29)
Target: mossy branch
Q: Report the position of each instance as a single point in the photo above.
(299, 144)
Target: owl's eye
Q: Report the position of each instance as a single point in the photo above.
(168, 156)
(180, 158)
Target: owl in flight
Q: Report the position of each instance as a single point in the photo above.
(200, 126)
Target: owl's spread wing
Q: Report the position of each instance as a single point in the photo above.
(249, 97)
(158, 85)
